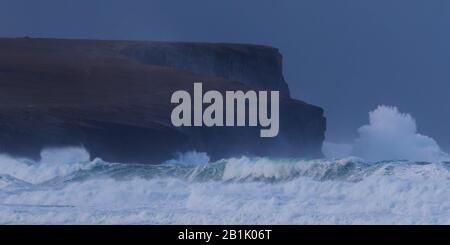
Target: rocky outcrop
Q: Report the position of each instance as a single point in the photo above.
(113, 97)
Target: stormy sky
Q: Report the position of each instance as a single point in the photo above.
(346, 56)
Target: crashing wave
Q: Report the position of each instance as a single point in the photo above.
(390, 135)
(67, 187)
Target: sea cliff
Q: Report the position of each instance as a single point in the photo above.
(113, 98)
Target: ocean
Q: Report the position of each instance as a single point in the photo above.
(66, 187)
(357, 183)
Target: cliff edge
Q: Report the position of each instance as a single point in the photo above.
(113, 97)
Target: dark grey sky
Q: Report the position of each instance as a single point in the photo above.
(346, 56)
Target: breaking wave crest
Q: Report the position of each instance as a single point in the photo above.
(193, 166)
(62, 188)
(66, 186)
(53, 163)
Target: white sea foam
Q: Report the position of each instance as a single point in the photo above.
(66, 187)
(53, 163)
(239, 190)
(390, 135)
(190, 158)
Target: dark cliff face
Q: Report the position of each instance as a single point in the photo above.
(253, 65)
(113, 97)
